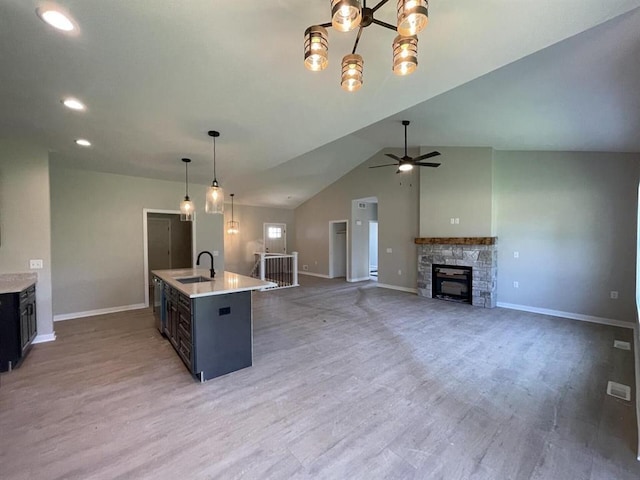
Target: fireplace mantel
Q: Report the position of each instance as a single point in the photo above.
(456, 241)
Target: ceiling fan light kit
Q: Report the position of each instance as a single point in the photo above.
(347, 15)
(215, 194)
(406, 163)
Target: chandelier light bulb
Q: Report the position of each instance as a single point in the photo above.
(413, 16)
(345, 15)
(352, 67)
(316, 48)
(405, 54)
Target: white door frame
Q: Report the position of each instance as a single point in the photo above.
(145, 245)
(369, 249)
(331, 247)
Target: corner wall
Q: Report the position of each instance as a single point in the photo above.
(25, 222)
(239, 249)
(398, 197)
(572, 217)
(97, 236)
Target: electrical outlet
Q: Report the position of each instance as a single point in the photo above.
(215, 253)
(316, 262)
(614, 295)
(305, 267)
(389, 250)
(399, 272)
(36, 264)
(516, 284)
(516, 254)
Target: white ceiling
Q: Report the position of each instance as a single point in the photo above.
(156, 75)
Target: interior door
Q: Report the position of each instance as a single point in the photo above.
(159, 242)
(275, 237)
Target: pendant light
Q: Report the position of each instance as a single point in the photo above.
(186, 206)
(405, 54)
(413, 16)
(345, 15)
(352, 66)
(233, 227)
(215, 194)
(316, 48)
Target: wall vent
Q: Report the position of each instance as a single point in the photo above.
(619, 390)
(362, 205)
(621, 345)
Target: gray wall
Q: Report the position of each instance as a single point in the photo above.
(398, 197)
(25, 222)
(572, 216)
(461, 187)
(97, 240)
(239, 249)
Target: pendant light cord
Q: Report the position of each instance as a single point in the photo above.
(214, 160)
(186, 179)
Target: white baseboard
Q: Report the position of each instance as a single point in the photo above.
(319, 275)
(573, 316)
(45, 337)
(396, 287)
(101, 311)
(361, 279)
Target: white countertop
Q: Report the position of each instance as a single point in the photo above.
(225, 282)
(16, 282)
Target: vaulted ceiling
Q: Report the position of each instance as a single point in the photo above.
(157, 75)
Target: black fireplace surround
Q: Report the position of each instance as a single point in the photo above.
(452, 282)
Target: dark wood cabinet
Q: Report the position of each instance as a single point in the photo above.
(211, 334)
(18, 326)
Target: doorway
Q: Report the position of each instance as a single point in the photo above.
(275, 238)
(373, 250)
(168, 244)
(338, 251)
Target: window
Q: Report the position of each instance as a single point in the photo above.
(274, 232)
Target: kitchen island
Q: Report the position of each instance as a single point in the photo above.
(208, 321)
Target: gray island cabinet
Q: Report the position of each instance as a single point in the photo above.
(208, 321)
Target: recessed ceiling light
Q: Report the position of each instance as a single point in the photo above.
(73, 104)
(83, 143)
(55, 18)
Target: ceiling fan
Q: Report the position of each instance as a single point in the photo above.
(407, 163)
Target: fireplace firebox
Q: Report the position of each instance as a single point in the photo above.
(452, 282)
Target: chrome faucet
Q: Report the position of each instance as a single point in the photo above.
(211, 271)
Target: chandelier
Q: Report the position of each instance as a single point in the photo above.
(347, 15)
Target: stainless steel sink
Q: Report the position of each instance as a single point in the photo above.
(198, 279)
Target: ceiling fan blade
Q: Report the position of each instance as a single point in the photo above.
(391, 155)
(385, 165)
(426, 155)
(427, 164)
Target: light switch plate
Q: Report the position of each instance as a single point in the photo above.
(215, 253)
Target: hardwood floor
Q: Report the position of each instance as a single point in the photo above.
(349, 381)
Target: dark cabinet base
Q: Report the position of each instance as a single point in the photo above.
(18, 326)
(211, 334)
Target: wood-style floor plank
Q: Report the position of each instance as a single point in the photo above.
(349, 381)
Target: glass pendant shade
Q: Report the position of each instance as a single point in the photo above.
(345, 15)
(352, 67)
(405, 54)
(316, 48)
(413, 16)
(186, 210)
(215, 199)
(233, 227)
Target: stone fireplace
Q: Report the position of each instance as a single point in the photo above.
(479, 253)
